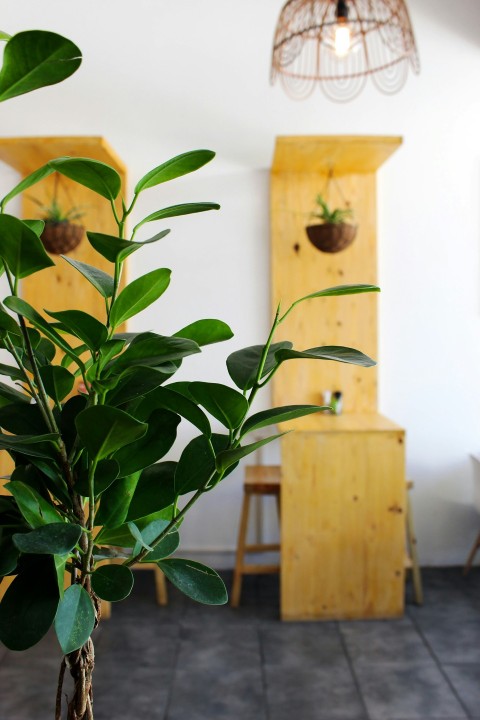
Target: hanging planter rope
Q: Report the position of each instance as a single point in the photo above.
(333, 234)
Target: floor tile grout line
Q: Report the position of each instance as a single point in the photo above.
(168, 702)
(353, 672)
(263, 673)
(440, 666)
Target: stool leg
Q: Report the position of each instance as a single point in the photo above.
(160, 586)
(471, 557)
(240, 556)
(412, 545)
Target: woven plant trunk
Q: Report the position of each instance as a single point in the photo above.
(60, 238)
(331, 237)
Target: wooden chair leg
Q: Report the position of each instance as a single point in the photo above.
(240, 556)
(471, 557)
(160, 586)
(412, 547)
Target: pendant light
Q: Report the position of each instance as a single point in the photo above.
(339, 43)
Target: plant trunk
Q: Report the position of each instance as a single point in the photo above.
(80, 665)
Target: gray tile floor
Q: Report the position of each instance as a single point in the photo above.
(191, 662)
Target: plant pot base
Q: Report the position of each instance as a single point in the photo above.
(60, 238)
(331, 237)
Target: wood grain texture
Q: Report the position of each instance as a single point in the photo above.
(61, 286)
(343, 538)
(348, 154)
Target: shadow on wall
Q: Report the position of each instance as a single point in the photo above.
(462, 17)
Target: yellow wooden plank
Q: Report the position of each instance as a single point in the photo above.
(343, 538)
(299, 269)
(345, 153)
(61, 286)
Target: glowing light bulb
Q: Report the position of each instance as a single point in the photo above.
(342, 39)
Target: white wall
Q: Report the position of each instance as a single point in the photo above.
(160, 77)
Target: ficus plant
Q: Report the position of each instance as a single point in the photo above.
(90, 494)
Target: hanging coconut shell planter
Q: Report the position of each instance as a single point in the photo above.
(60, 238)
(61, 234)
(333, 233)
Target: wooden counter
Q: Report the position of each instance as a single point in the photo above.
(343, 505)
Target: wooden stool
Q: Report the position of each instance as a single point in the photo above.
(160, 588)
(471, 557)
(411, 560)
(260, 480)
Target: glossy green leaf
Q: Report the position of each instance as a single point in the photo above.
(177, 210)
(197, 581)
(11, 371)
(60, 562)
(155, 490)
(278, 415)
(4, 37)
(75, 619)
(83, 326)
(164, 548)
(175, 167)
(53, 539)
(9, 395)
(157, 441)
(45, 352)
(35, 445)
(136, 382)
(116, 249)
(100, 280)
(138, 535)
(206, 332)
(34, 59)
(122, 537)
(35, 509)
(242, 365)
(8, 324)
(57, 380)
(112, 582)
(153, 351)
(103, 430)
(23, 308)
(115, 502)
(226, 458)
(27, 183)
(105, 474)
(328, 352)
(28, 608)
(138, 295)
(8, 556)
(70, 410)
(93, 174)
(163, 397)
(196, 468)
(221, 401)
(20, 418)
(21, 249)
(37, 226)
(340, 290)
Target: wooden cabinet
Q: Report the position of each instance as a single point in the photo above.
(343, 478)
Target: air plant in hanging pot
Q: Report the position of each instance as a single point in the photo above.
(333, 233)
(61, 234)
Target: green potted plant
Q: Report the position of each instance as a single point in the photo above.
(90, 483)
(333, 233)
(61, 234)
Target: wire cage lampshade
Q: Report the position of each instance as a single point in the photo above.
(339, 43)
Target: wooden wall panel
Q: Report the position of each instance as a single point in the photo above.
(298, 269)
